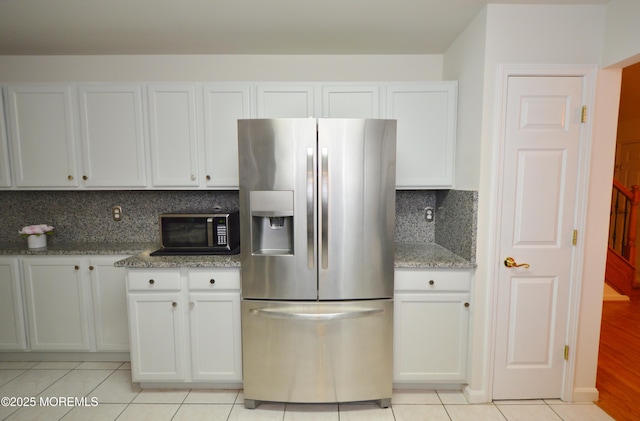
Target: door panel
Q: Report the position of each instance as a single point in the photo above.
(531, 296)
(317, 352)
(277, 175)
(538, 211)
(541, 153)
(356, 191)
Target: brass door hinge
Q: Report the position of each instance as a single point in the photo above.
(574, 241)
(566, 352)
(583, 115)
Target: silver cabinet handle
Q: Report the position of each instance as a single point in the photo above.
(325, 207)
(310, 206)
(339, 315)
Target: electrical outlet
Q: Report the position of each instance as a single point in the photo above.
(429, 213)
(116, 213)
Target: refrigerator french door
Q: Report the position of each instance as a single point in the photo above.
(317, 209)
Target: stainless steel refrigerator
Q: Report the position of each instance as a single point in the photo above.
(317, 212)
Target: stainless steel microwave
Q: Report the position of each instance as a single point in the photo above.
(189, 233)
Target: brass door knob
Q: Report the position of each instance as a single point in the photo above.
(511, 263)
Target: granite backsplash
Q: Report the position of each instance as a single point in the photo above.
(85, 216)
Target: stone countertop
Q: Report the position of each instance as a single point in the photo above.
(144, 260)
(77, 249)
(407, 256)
(414, 255)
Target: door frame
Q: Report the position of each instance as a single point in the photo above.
(506, 71)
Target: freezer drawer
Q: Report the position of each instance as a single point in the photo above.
(317, 351)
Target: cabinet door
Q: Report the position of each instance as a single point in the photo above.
(430, 337)
(223, 105)
(42, 132)
(157, 339)
(112, 136)
(109, 290)
(12, 327)
(351, 101)
(173, 132)
(216, 351)
(5, 174)
(285, 101)
(426, 115)
(58, 306)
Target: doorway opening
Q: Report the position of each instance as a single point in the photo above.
(618, 378)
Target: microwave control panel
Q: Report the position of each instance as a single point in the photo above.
(221, 233)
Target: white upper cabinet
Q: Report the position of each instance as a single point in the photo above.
(224, 104)
(351, 101)
(42, 133)
(285, 100)
(112, 136)
(5, 174)
(426, 115)
(174, 135)
(95, 135)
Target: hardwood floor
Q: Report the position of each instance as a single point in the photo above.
(618, 378)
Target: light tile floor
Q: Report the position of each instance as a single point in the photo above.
(100, 391)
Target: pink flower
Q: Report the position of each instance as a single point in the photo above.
(36, 229)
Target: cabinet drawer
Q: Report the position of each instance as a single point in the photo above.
(149, 280)
(432, 280)
(214, 279)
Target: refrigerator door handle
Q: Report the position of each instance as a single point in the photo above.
(310, 206)
(339, 315)
(324, 169)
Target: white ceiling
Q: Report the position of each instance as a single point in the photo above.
(238, 26)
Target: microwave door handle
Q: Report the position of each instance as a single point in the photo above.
(310, 206)
(210, 232)
(324, 169)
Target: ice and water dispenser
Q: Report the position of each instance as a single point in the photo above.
(272, 222)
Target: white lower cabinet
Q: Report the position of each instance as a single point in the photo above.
(58, 304)
(109, 292)
(63, 303)
(431, 326)
(155, 325)
(12, 323)
(185, 325)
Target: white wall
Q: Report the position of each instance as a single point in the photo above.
(464, 62)
(622, 36)
(536, 36)
(220, 68)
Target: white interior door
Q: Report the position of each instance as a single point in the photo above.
(540, 154)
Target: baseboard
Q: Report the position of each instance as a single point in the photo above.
(475, 396)
(585, 394)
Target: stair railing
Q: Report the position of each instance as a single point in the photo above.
(623, 220)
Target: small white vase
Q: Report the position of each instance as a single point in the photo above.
(37, 241)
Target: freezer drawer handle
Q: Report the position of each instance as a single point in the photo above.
(339, 315)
